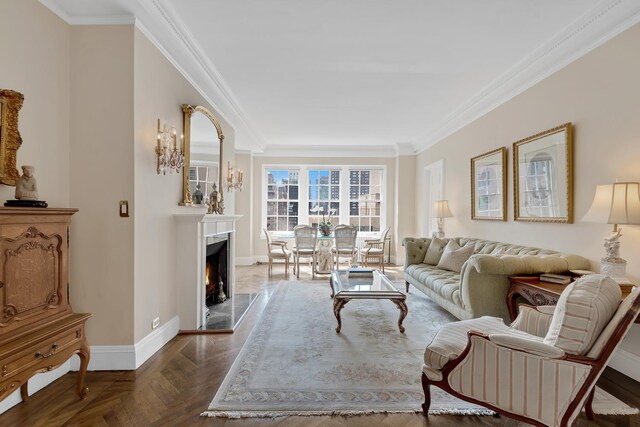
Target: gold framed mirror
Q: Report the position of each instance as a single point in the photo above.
(203, 148)
(10, 139)
(543, 176)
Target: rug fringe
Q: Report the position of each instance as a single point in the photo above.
(342, 413)
(616, 411)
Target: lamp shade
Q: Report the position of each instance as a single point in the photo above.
(441, 209)
(617, 203)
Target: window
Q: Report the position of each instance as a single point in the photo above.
(301, 194)
(324, 196)
(282, 199)
(365, 197)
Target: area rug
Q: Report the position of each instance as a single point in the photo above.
(294, 362)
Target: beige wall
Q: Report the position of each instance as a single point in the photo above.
(256, 245)
(599, 94)
(244, 199)
(159, 90)
(35, 49)
(102, 165)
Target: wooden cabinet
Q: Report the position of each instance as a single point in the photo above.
(38, 330)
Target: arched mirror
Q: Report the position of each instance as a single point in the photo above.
(203, 141)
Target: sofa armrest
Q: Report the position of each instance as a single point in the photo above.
(415, 249)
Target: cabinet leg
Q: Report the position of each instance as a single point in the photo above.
(84, 363)
(24, 391)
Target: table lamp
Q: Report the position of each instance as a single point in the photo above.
(441, 211)
(615, 204)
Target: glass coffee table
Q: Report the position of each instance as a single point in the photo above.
(344, 288)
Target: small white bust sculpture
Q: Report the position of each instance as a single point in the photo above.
(27, 187)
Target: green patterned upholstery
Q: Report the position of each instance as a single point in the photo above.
(481, 287)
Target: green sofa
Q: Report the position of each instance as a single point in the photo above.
(480, 289)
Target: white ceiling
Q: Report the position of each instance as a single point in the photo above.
(363, 73)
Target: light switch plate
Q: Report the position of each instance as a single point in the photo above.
(124, 208)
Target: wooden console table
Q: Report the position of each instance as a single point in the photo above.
(38, 329)
(536, 293)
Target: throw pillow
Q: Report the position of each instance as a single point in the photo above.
(434, 251)
(454, 256)
(584, 309)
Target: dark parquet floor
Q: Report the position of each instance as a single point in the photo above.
(174, 386)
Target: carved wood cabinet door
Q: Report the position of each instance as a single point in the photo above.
(33, 281)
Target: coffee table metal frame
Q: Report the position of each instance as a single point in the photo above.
(344, 289)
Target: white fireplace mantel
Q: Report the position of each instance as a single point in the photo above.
(192, 231)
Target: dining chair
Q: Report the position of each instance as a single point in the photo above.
(277, 250)
(373, 250)
(306, 238)
(344, 237)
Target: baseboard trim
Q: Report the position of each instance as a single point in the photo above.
(130, 357)
(249, 260)
(626, 362)
(36, 383)
(149, 345)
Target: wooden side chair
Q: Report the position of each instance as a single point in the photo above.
(306, 247)
(277, 250)
(373, 250)
(543, 368)
(344, 237)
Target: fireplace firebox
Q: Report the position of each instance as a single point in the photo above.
(217, 271)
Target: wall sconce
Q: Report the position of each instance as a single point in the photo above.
(234, 178)
(168, 157)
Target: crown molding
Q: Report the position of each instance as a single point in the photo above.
(160, 25)
(405, 149)
(341, 151)
(53, 6)
(598, 25)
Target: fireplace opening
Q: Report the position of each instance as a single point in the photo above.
(217, 272)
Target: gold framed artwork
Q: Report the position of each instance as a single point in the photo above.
(10, 140)
(489, 185)
(543, 176)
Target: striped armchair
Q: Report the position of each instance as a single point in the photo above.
(543, 368)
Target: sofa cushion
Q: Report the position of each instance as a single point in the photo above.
(451, 340)
(444, 283)
(434, 251)
(584, 308)
(453, 256)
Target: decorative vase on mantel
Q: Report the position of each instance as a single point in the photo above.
(325, 229)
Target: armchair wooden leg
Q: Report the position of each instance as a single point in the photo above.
(427, 395)
(587, 405)
(269, 267)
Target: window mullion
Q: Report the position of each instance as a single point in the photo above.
(344, 195)
(303, 196)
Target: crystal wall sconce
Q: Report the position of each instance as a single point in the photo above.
(168, 156)
(234, 178)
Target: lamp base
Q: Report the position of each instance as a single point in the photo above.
(613, 269)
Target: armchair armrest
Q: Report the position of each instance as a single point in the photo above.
(534, 320)
(527, 345)
(374, 244)
(279, 242)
